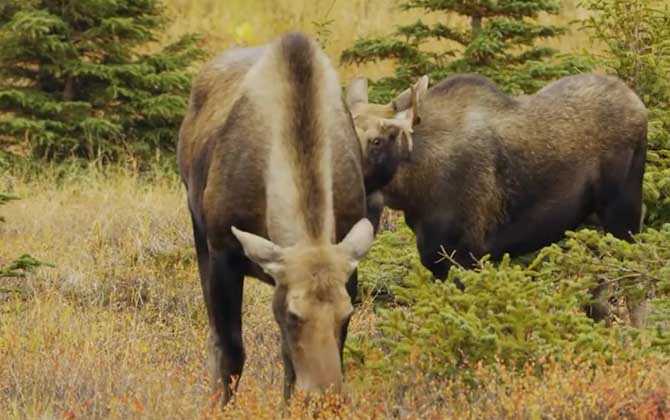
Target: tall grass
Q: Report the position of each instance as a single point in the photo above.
(117, 329)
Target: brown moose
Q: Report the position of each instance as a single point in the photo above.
(272, 167)
(494, 174)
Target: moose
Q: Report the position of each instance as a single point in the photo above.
(273, 171)
(494, 174)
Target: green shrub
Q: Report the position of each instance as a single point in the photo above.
(506, 314)
(24, 263)
(657, 171)
(513, 313)
(391, 259)
(633, 270)
(20, 267)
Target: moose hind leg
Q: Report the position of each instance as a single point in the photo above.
(638, 311)
(202, 253)
(375, 208)
(226, 283)
(599, 308)
(622, 212)
(352, 290)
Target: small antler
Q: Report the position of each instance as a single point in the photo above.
(403, 122)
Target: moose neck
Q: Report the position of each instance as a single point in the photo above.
(297, 90)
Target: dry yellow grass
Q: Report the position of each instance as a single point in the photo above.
(117, 328)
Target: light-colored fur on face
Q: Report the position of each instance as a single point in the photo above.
(311, 303)
(317, 306)
(373, 121)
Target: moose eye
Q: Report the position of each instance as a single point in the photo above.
(293, 318)
(376, 141)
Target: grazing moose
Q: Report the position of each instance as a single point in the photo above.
(272, 167)
(494, 174)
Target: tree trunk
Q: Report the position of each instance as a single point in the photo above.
(68, 91)
(476, 25)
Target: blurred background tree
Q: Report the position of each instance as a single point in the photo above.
(84, 78)
(499, 40)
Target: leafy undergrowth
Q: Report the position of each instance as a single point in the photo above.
(514, 313)
(117, 328)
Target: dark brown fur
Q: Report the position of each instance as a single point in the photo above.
(493, 174)
(305, 127)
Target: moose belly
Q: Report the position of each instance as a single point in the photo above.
(542, 223)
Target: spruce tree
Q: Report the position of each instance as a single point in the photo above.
(499, 41)
(76, 77)
(24, 263)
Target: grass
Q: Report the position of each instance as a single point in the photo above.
(117, 329)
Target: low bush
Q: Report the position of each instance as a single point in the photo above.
(513, 313)
(24, 263)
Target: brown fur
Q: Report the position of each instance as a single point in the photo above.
(305, 126)
(564, 126)
(208, 132)
(491, 173)
(225, 159)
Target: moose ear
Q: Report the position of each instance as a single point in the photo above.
(358, 241)
(357, 91)
(419, 91)
(261, 251)
(412, 96)
(407, 111)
